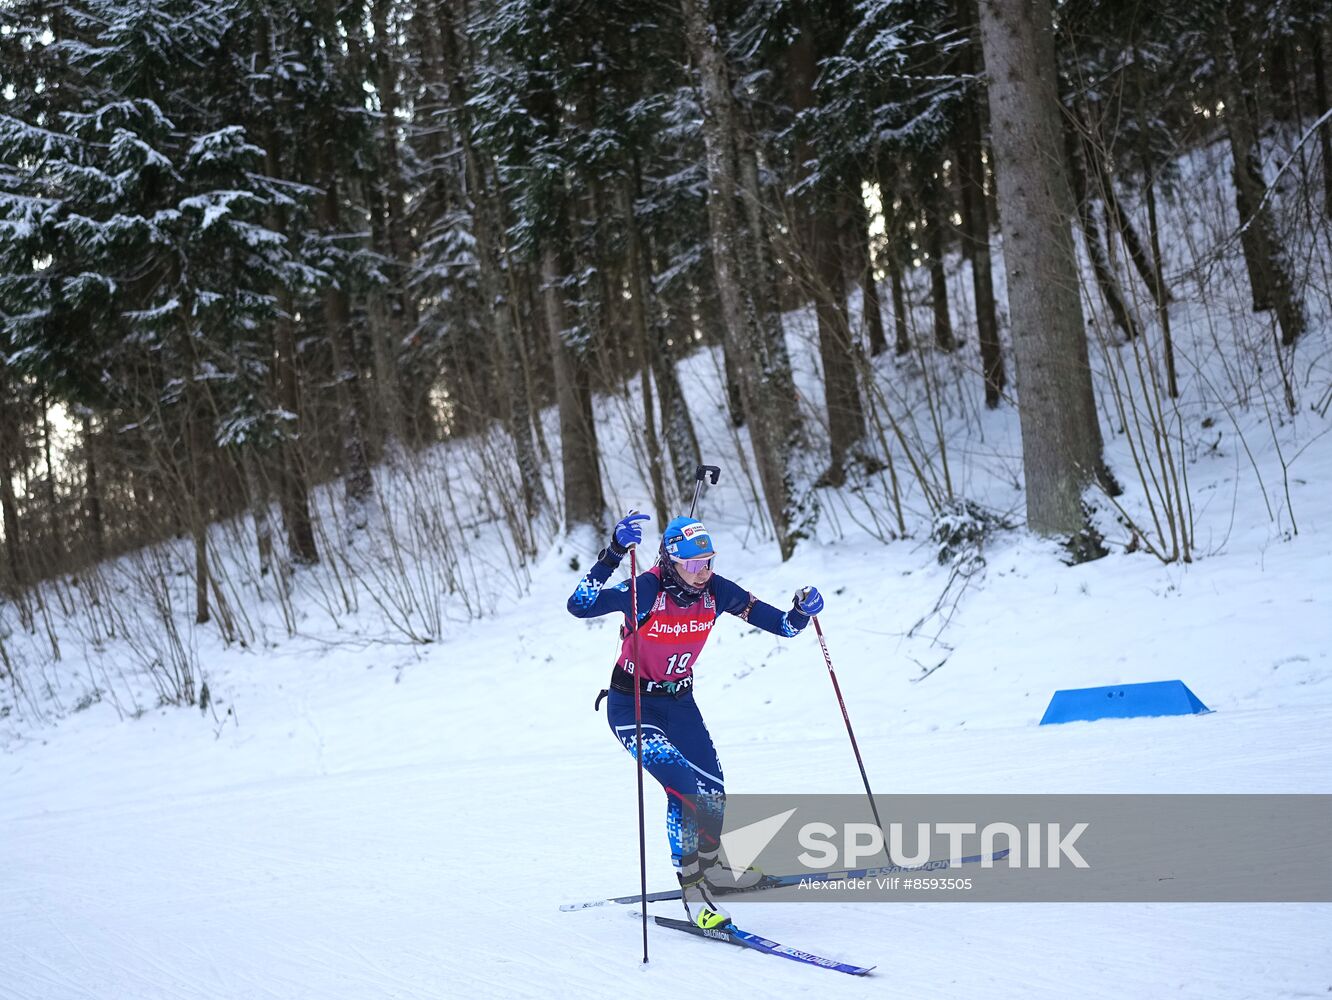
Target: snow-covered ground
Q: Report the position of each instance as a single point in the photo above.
(406, 823)
(358, 818)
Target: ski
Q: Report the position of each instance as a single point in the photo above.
(732, 934)
(652, 897)
(787, 881)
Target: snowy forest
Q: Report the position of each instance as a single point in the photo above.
(250, 249)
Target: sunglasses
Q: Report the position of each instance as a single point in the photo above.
(694, 565)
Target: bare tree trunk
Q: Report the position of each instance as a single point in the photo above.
(1269, 270)
(1247, 177)
(57, 536)
(92, 491)
(818, 224)
(706, 302)
(818, 215)
(1106, 280)
(9, 440)
(401, 306)
(584, 502)
(256, 487)
(1099, 182)
(846, 418)
(500, 310)
(670, 329)
(529, 407)
(932, 194)
(673, 327)
(538, 365)
(871, 303)
(902, 336)
(1150, 274)
(596, 295)
(1162, 306)
(384, 327)
(292, 478)
(769, 413)
(757, 258)
(590, 339)
(198, 506)
(734, 393)
(357, 481)
(293, 485)
(975, 217)
(1061, 438)
(639, 321)
(892, 231)
(508, 358)
(1325, 131)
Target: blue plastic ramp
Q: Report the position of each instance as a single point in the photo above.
(1123, 701)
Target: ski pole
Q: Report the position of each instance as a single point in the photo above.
(837, 688)
(638, 745)
(703, 472)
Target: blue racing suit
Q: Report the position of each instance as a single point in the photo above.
(677, 749)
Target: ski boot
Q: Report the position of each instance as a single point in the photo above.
(723, 878)
(698, 903)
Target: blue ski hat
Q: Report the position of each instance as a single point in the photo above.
(686, 538)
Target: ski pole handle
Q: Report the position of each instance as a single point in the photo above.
(808, 601)
(711, 472)
(628, 531)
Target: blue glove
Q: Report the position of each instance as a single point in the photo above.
(809, 601)
(628, 532)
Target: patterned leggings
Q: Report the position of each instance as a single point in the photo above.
(678, 753)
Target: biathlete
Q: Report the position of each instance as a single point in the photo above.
(678, 600)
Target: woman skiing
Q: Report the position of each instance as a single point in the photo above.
(678, 601)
